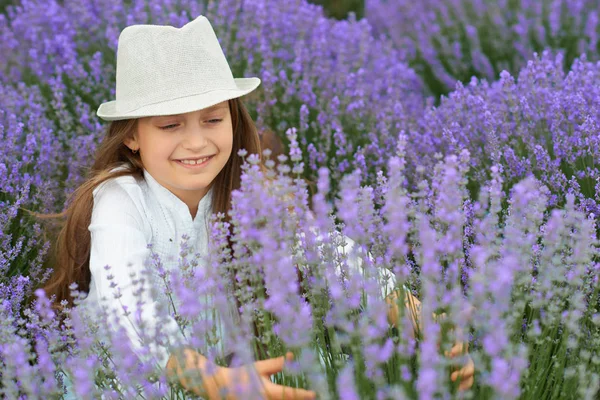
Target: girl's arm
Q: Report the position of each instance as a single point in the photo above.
(191, 371)
(413, 307)
(119, 239)
(183, 372)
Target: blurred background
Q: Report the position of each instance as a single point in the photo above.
(339, 9)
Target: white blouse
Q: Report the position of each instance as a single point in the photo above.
(128, 214)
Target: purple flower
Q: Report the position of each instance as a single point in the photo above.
(346, 384)
(449, 41)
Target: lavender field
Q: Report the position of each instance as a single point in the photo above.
(449, 147)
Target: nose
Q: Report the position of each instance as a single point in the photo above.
(195, 137)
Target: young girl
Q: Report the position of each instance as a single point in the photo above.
(168, 161)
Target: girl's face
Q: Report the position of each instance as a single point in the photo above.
(166, 140)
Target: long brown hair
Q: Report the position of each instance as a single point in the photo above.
(71, 252)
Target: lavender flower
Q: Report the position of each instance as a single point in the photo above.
(452, 40)
(484, 206)
(540, 122)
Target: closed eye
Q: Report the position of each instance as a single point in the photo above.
(169, 127)
(213, 121)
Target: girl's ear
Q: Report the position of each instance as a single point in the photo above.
(132, 142)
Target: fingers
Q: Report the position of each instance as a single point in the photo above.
(439, 317)
(272, 365)
(466, 384)
(458, 349)
(280, 392)
(465, 374)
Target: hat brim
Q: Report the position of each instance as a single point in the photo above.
(108, 112)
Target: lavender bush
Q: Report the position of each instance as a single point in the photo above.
(28, 179)
(543, 122)
(51, 91)
(484, 206)
(452, 40)
(331, 79)
(520, 285)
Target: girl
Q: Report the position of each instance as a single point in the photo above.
(177, 124)
(168, 161)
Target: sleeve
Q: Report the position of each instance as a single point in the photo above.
(386, 278)
(118, 239)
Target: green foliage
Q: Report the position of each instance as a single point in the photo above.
(340, 9)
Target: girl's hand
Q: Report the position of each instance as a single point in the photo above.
(227, 379)
(466, 373)
(269, 390)
(413, 305)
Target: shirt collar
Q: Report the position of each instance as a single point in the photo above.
(166, 197)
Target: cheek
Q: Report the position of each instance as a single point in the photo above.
(226, 142)
(159, 148)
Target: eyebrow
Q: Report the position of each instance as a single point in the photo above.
(204, 111)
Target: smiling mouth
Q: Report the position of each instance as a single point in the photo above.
(195, 161)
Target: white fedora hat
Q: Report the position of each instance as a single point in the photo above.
(163, 70)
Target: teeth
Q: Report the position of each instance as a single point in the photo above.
(192, 162)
